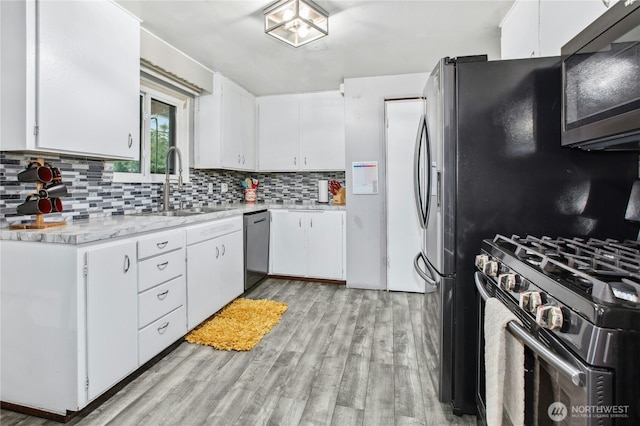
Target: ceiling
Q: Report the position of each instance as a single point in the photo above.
(366, 38)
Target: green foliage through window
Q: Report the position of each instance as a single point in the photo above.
(162, 136)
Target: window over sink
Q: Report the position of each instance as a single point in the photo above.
(164, 122)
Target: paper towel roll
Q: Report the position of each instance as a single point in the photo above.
(323, 191)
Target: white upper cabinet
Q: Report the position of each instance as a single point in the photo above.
(226, 128)
(541, 28)
(76, 67)
(301, 132)
(278, 134)
(322, 142)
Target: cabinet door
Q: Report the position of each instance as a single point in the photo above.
(89, 79)
(112, 315)
(232, 125)
(556, 30)
(287, 249)
(203, 277)
(278, 145)
(249, 132)
(520, 31)
(231, 269)
(207, 140)
(324, 244)
(322, 139)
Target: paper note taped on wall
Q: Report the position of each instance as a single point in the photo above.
(365, 177)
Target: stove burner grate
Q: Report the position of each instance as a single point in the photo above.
(607, 271)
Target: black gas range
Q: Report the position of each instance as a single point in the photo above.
(579, 304)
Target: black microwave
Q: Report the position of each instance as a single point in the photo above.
(601, 82)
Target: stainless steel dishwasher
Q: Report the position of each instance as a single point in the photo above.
(256, 247)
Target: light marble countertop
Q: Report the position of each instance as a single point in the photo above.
(99, 229)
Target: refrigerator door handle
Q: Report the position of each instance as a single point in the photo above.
(432, 285)
(417, 187)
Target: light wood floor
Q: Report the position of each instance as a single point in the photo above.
(338, 357)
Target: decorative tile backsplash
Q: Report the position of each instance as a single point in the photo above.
(92, 192)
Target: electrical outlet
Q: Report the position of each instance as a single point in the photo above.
(224, 187)
(210, 188)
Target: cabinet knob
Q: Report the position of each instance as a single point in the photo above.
(130, 140)
(162, 295)
(162, 244)
(223, 249)
(161, 266)
(243, 159)
(127, 263)
(238, 158)
(163, 328)
(295, 159)
(305, 161)
(217, 252)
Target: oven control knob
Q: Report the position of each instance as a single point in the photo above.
(550, 317)
(481, 259)
(508, 282)
(491, 268)
(530, 300)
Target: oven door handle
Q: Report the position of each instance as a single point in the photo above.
(577, 376)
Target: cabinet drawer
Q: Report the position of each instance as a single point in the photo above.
(160, 300)
(160, 243)
(160, 269)
(161, 333)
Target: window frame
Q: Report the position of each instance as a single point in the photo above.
(150, 90)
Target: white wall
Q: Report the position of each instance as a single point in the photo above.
(364, 133)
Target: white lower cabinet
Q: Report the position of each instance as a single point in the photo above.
(215, 260)
(77, 319)
(69, 320)
(307, 244)
(112, 313)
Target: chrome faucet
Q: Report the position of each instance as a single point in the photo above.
(167, 184)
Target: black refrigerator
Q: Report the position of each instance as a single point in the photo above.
(489, 160)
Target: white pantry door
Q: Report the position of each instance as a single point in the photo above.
(404, 235)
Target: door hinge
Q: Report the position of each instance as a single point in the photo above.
(36, 130)
(85, 270)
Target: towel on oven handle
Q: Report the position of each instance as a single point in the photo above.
(504, 359)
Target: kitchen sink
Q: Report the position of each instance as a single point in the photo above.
(174, 213)
(188, 212)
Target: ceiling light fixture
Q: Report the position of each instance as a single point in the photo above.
(296, 22)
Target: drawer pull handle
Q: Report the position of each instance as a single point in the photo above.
(127, 263)
(217, 252)
(162, 244)
(163, 328)
(223, 249)
(162, 295)
(161, 266)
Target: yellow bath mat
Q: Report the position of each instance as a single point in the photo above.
(240, 325)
